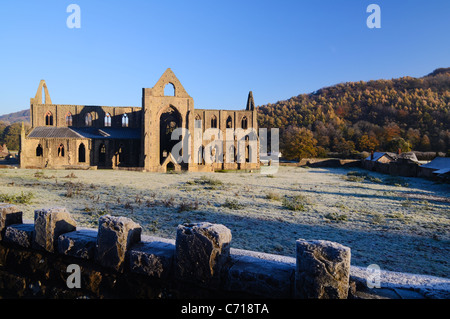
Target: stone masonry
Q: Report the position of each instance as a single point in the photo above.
(139, 138)
(117, 261)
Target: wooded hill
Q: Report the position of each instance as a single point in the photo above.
(384, 115)
(348, 118)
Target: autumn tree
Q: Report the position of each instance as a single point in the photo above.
(425, 143)
(398, 144)
(370, 115)
(367, 143)
(298, 143)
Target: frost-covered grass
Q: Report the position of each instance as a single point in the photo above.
(401, 224)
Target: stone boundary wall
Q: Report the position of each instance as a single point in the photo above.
(117, 261)
(325, 162)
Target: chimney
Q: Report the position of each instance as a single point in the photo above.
(371, 156)
(399, 151)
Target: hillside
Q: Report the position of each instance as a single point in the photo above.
(407, 113)
(21, 116)
(385, 115)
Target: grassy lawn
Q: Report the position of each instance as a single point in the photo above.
(401, 224)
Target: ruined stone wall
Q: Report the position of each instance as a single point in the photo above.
(49, 157)
(221, 117)
(78, 112)
(39, 260)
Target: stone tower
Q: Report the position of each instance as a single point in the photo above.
(162, 114)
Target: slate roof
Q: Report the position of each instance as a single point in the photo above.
(408, 156)
(85, 132)
(53, 132)
(405, 156)
(442, 171)
(124, 133)
(438, 163)
(378, 155)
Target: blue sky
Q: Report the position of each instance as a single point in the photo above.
(219, 50)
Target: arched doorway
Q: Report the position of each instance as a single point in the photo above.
(170, 167)
(102, 155)
(169, 121)
(39, 151)
(82, 153)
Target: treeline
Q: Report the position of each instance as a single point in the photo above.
(383, 115)
(10, 134)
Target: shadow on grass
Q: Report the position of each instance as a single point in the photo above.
(391, 251)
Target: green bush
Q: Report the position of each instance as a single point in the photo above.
(187, 206)
(23, 198)
(336, 217)
(208, 182)
(295, 203)
(272, 196)
(232, 204)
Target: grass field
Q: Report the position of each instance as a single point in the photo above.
(401, 224)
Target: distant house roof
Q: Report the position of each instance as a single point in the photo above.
(85, 132)
(410, 156)
(378, 155)
(438, 163)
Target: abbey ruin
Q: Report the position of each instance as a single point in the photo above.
(90, 137)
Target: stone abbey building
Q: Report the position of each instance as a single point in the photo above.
(89, 137)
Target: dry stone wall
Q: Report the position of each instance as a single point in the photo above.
(117, 261)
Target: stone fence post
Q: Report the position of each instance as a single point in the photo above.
(201, 251)
(322, 270)
(49, 223)
(9, 215)
(115, 237)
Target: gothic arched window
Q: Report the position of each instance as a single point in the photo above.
(49, 118)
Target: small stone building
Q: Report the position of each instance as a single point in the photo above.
(90, 137)
(440, 165)
(379, 161)
(405, 165)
